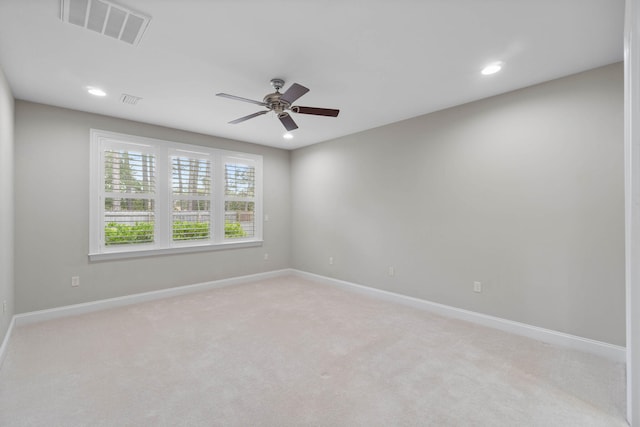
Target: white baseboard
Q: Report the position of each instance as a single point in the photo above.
(5, 341)
(88, 307)
(609, 351)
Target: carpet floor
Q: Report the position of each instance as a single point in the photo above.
(290, 352)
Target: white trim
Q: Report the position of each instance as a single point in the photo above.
(608, 351)
(632, 204)
(5, 341)
(107, 256)
(89, 307)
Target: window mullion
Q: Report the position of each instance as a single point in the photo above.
(163, 207)
(217, 195)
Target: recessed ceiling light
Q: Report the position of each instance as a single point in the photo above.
(492, 68)
(96, 91)
(287, 136)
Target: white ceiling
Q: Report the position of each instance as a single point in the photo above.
(378, 61)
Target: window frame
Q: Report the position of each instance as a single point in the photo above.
(163, 244)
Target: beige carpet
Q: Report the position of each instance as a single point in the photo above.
(288, 352)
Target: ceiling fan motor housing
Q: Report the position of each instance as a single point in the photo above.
(273, 99)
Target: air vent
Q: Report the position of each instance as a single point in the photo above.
(129, 99)
(105, 17)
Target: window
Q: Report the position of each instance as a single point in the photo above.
(239, 195)
(129, 195)
(190, 197)
(150, 197)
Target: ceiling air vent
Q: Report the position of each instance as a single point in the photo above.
(105, 17)
(129, 99)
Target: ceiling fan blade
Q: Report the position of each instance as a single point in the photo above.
(316, 111)
(239, 98)
(287, 121)
(250, 116)
(294, 92)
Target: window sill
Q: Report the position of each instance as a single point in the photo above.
(108, 256)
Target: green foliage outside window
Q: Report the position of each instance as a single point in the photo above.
(233, 229)
(123, 234)
(185, 230)
(142, 232)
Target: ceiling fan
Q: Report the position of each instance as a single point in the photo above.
(280, 103)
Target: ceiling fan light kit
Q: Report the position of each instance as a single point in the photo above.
(280, 104)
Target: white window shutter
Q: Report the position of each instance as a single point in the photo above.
(150, 196)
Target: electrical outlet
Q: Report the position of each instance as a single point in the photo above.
(330, 260)
(4, 306)
(266, 257)
(266, 217)
(392, 271)
(477, 286)
(75, 281)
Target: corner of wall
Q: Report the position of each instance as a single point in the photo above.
(7, 141)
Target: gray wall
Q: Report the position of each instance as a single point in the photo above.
(6, 204)
(523, 192)
(52, 214)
